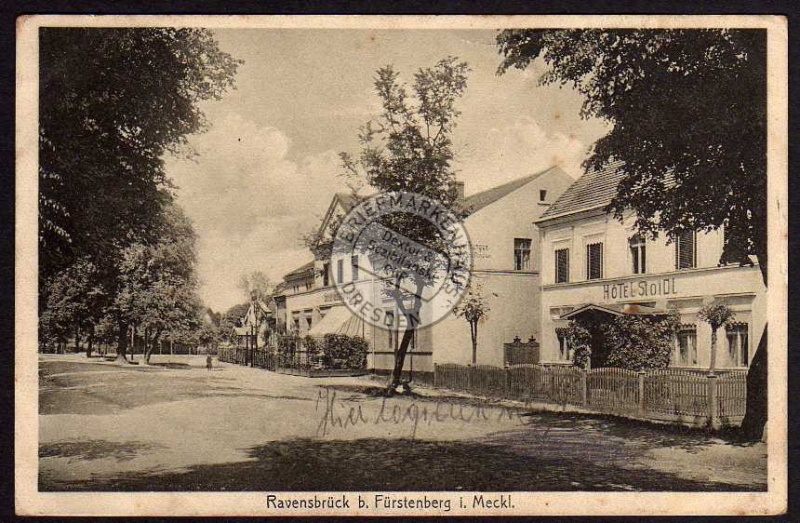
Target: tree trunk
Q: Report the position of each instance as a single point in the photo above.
(122, 341)
(146, 350)
(133, 341)
(755, 417)
(412, 319)
(713, 366)
(151, 347)
(473, 330)
(90, 342)
(400, 356)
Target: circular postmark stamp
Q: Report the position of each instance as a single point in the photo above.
(401, 258)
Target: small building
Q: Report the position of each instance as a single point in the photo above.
(593, 263)
(253, 326)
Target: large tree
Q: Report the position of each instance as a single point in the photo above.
(74, 305)
(157, 283)
(409, 148)
(112, 103)
(688, 109)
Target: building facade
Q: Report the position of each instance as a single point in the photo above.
(590, 259)
(505, 243)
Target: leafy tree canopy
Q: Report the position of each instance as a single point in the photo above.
(112, 102)
(256, 283)
(688, 109)
(409, 148)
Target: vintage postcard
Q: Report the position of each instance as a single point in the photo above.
(401, 266)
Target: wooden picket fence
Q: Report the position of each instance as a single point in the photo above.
(688, 397)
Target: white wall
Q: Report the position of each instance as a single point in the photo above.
(515, 309)
(741, 288)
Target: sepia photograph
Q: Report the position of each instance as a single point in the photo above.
(401, 266)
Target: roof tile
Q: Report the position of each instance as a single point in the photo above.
(593, 189)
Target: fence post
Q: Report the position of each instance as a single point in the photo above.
(506, 381)
(641, 394)
(469, 378)
(584, 387)
(435, 377)
(713, 405)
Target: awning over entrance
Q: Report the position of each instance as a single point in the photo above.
(339, 320)
(616, 309)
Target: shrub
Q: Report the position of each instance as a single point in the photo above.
(629, 342)
(641, 342)
(579, 338)
(344, 352)
(287, 349)
(311, 344)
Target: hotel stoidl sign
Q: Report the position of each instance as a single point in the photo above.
(639, 289)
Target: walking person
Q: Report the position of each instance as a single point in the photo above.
(208, 362)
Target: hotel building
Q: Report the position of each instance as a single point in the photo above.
(593, 262)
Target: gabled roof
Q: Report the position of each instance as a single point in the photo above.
(300, 271)
(476, 202)
(616, 309)
(593, 190)
(347, 200)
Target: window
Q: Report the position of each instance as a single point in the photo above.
(737, 344)
(564, 348)
(354, 265)
(522, 254)
(687, 345)
(340, 271)
(594, 261)
(542, 195)
(562, 265)
(638, 254)
(326, 269)
(686, 250)
(308, 321)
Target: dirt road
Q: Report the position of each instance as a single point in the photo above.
(180, 427)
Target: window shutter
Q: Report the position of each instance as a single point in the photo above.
(594, 261)
(562, 265)
(685, 250)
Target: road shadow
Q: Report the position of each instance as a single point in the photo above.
(95, 449)
(399, 465)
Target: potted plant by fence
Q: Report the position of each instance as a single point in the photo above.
(716, 314)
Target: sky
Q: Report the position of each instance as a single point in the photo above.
(268, 166)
